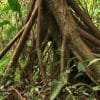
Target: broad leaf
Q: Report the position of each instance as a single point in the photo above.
(14, 5)
(81, 67)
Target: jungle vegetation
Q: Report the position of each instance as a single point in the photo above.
(49, 49)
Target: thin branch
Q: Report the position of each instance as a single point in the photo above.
(11, 67)
(19, 95)
(84, 17)
(9, 45)
(18, 35)
(89, 37)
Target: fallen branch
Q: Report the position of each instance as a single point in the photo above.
(18, 93)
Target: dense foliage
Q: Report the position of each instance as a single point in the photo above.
(13, 14)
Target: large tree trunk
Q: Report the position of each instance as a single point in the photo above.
(69, 29)
(69, 34)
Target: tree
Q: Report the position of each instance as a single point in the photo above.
(68, 27)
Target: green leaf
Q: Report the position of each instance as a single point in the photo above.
(57, 88)
(81, 67)
(10, 30)
(14, 5)
(96, 88)
(69, 97)
(5, 9)
(5, 22)
(94, 61)
(3, 62)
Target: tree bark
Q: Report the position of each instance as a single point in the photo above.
(65, 20)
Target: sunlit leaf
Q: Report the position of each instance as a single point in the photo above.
(5, 9)
(96, 88)
(93, 62)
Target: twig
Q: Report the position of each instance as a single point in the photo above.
(18, 93)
